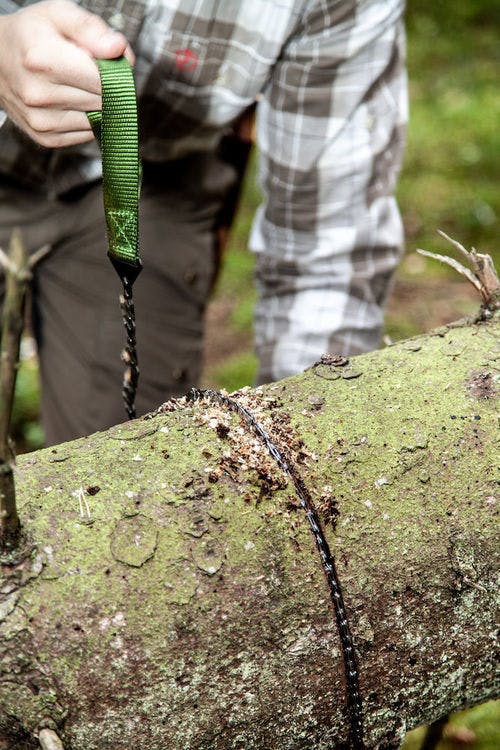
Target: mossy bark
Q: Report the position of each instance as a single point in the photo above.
(173, 598)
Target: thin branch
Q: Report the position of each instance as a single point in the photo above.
(455, 243)
(483, 275)
(18, 276)
(5, 262)
(38, 255)
(12, 326)
(454, 264)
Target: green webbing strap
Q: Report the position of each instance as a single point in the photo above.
(115, 129)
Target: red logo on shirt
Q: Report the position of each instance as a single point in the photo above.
(186, 59)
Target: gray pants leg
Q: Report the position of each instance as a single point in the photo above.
(77, 320)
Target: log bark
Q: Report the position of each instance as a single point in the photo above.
(170, 594)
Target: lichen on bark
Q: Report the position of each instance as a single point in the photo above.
(174, 597)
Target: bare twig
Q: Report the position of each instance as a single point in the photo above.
(483, 275)
(18, 275)
(38, 255)
(455, 243)
(82, 500)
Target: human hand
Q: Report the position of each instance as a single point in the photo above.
(49, 79)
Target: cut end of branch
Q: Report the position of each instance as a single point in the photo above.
(50, 740)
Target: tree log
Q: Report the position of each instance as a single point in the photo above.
(170, 595)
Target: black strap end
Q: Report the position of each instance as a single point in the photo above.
(126, 271)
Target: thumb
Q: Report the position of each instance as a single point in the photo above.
(85, 29)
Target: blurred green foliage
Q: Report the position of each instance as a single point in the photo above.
(235, 371)
(482, 724)
(26, 431)
(450, 174)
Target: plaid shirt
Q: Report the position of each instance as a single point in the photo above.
(330, 79)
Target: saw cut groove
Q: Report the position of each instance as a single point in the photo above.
(354, 703)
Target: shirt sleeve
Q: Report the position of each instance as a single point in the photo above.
(328, 236)
(8, 6)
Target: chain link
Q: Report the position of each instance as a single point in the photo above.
(129, 353)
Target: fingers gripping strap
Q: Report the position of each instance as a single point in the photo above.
(115, 129)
